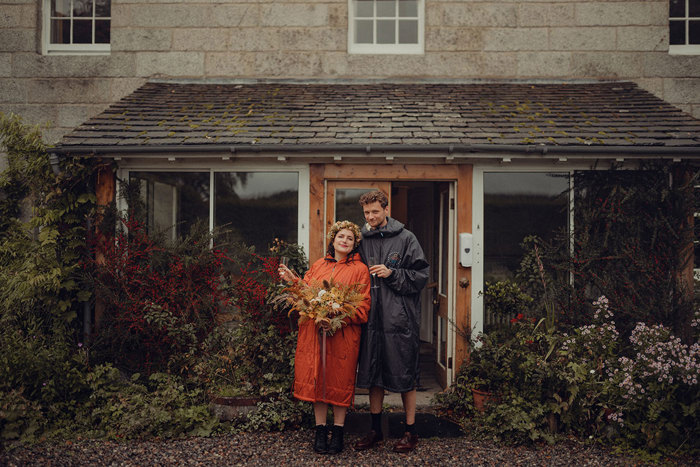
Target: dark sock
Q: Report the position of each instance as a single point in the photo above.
(411, 428)
(377, 422)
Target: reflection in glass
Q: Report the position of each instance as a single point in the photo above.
(257, 207)
(408, 8)
(60, 7)
(693, 32)
(676, 32)
(364, 8)
(82, 32)
(60, 31)
(386, 32)
(347, 206)
(364, 32)
(408, 32)
(82, 8)
(174, 201)
(102, 32)
(676, 8)
(386, 8)
(517, 205)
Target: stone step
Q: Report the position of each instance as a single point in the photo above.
(428, 425)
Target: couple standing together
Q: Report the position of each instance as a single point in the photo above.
(383, 334)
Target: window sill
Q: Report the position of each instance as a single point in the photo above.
(684, 49)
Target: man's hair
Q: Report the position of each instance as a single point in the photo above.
(374, 196)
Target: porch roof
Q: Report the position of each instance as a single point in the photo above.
(570, 117)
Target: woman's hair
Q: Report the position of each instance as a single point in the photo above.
(374, 196)
(337, 227)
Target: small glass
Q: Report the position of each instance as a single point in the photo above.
(372, 261)
(284, 261)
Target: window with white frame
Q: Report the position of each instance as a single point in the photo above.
(76, 26)
(684, 26)
(386, 26)
(253, 208)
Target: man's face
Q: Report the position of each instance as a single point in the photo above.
(375, 214)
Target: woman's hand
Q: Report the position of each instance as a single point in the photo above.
(285, 273)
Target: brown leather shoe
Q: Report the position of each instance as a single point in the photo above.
(406, 444)
(370, 440)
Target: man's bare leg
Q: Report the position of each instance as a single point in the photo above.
(409, 406)
(376, 399)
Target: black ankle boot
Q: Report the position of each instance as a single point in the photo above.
(321, 440)
(336, 444)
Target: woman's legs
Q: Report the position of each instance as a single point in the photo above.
(320, 412)
(339, 415)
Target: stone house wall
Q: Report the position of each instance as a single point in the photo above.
(307, 39)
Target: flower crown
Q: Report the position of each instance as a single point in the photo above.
(340, 225)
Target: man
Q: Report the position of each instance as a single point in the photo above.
(390, 345)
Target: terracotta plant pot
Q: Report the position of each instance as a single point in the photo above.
(482, 398)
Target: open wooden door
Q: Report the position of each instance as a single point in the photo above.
(444, 290)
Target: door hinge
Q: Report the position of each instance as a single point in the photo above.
(452, 203)
(449, 363)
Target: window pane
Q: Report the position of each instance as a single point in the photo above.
(102, 32)
(408, 32)
(517, 205)
(408, 8)
(60, 8)
(82, 8)
(364, 8)
(693, 32)
(386, 32)
(386, 8)
(347, 206)
(694, 8)
(364, 32)
(103, 8)
(676, 9)
(175, 201)
(257, 207)
(677, 32)
(82, 31)
(60, 31)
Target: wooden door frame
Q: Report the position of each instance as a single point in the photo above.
(462, 174)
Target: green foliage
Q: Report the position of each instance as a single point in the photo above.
(642, 394)
(162, 405)
(240, 359)
(281, 413)
(505, 298)
(41, 274)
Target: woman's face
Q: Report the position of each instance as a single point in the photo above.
(344, 242)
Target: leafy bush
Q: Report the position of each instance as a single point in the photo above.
(588, 382)
(240, 359)
(161, 300)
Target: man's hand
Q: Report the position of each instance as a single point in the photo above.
(380, 270)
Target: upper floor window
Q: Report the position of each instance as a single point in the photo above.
(684, 26)
(386, 26)
(76, 26)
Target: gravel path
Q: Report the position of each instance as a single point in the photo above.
(294, 448)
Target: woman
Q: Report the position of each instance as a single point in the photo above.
(337, 386)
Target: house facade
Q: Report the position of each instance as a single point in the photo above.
(273, 117)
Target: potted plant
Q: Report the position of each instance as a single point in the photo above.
(487, 371)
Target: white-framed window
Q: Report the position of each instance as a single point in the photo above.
(684, 27)
(79, 27)
(253, 204)
(386, 26)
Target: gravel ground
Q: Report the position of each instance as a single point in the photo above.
(294, 448)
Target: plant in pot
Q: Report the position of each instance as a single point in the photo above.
(487, 370)
(241, 365)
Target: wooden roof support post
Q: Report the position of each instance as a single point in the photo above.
(316, 212)
(464, 275)
(105, 192)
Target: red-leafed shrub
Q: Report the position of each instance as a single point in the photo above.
(159, 302)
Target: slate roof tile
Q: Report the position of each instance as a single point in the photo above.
(563, 114)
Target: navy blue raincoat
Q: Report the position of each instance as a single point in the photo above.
(390, 344)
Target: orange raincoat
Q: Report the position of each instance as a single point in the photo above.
(342, 348)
